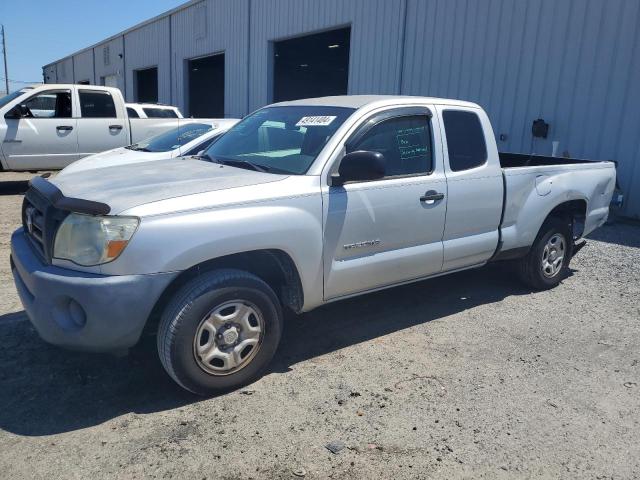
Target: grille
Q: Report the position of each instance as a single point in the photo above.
(40, 220)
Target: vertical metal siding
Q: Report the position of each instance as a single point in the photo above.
(149, 46)
(376, 40)
(226, 31)
(50, 74)
(116, 64)
(574, 63)
(83, 66)
(64, 71)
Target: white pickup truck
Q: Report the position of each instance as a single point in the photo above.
(152, 110)
(300, 204)
(50, 126)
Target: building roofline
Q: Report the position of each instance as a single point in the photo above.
(137, 26)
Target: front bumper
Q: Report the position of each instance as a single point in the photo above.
(79, 310)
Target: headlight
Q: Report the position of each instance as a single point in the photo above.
(92, 240)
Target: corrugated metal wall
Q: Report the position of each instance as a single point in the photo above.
(575, 63)
(149, 46)
(83, 66)
(64, 71)
(50, 73)
(206, 28)
(376, 40)
(108, 61)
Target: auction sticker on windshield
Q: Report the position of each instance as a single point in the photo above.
(316, 121)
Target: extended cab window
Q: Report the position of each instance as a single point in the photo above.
(465, 140)
(160, 113)
(405, 143)
(50, 104)
(97, 104)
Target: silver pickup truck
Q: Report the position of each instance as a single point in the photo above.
(300, 204)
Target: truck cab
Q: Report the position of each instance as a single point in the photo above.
(47, 127)
(50, 126)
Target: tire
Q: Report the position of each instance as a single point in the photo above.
(532, 269)
(208, 317)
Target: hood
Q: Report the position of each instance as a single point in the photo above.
(110, 158)
(127, 186)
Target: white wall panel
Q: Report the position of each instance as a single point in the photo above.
(574, 63)
(376, 40)
(225, 30)
(50, 73)
(64, 71)
(113, 65)
(149, 46)
(83, 67)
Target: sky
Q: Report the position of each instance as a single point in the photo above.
(41, 31)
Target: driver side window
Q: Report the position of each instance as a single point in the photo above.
(405, 143)
(50, 104)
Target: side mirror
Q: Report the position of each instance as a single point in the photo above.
(19, 111)
(359, 165)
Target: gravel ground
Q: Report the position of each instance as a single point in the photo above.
(465, 376)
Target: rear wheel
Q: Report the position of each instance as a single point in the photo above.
(219, 332)
(547, 262)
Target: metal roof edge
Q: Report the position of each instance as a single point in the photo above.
(158, 17)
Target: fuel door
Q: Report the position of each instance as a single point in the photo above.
(543, 185)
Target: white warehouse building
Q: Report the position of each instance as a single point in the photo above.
(575, 64)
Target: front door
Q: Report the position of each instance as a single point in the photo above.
(388, 231)
(45, 137)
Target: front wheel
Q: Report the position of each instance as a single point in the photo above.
(219, 332)
(547, 262)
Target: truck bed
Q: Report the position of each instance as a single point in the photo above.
(534, 183)
(515, 160)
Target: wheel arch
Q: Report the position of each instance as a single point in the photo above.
(275, 267)
(575, 211)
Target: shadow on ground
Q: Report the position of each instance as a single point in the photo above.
(621, 231)
(45, 390)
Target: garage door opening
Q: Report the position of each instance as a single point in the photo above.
(206, 86)
(311, 66)
(146, 85)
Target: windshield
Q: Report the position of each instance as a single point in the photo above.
(172, 139)
(279, 139)
(12, 96)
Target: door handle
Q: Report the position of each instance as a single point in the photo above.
(115, 127)
(64, 128)
(431, 196)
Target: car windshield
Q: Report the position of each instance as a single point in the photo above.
(12, 96)
(172, 139)
(283, 139)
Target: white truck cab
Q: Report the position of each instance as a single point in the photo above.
(49, 126)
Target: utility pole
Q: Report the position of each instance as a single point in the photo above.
(4, 54)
